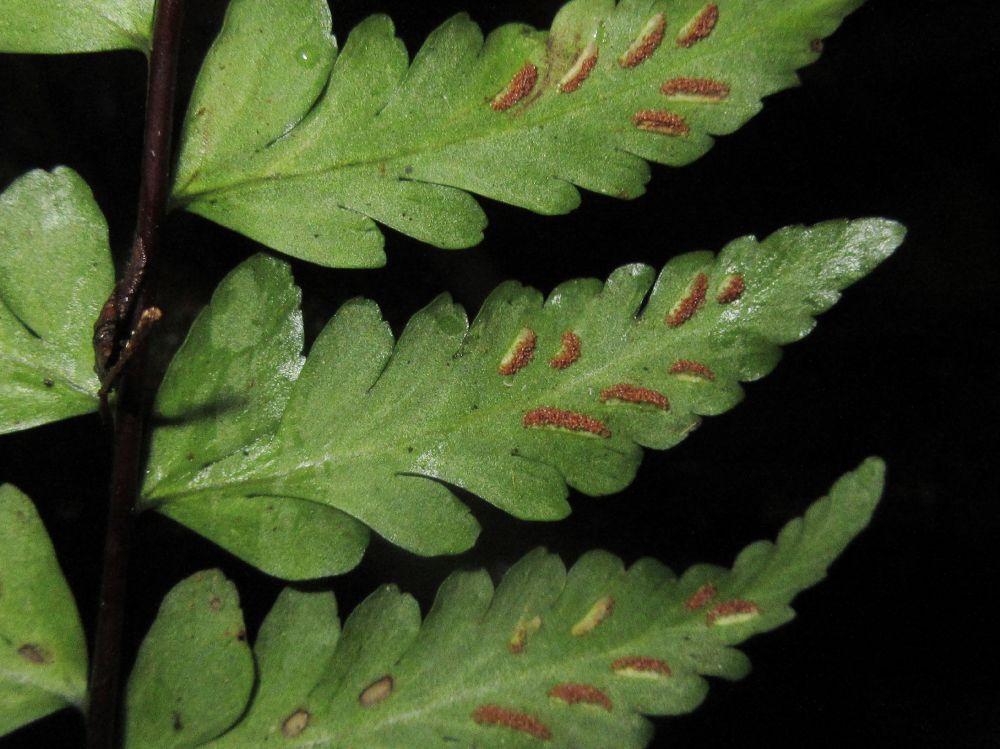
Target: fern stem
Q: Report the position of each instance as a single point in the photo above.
(131, 406)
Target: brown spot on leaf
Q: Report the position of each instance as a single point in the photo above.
(376, 692)
(557, 418)
(691, 370)
(701, 597)
(569, 352)
(295, 723)
(35, 654)
(48, 382)
(573, 694)
(599, 612)
(178, 723)
(661, 121)
(641, 665)
(520, 353)
(520, 85)
(699, 27)
(816, 45)
(644, 45)
(580, 70)
(690, 303)
(215, 604)
(732, 289)
(695, 89)
(732, 612)
(494, 715)
(627, 393)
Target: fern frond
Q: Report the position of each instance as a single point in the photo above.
(563, 659)
(305, 150)
(43, 654)
(535, 397)
(62, 26)
(55, 273)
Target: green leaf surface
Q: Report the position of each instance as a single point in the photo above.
(43, 655)
(378, 429)
(194, 672)
(55, 274)
(226, 391)
(305, 150)
(58, 26)
(555, 658)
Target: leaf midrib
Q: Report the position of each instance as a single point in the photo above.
(369, 448)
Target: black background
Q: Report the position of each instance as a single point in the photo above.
(897, 646)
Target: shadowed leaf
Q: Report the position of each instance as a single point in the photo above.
(194, 672)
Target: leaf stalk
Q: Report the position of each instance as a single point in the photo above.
(121, 317)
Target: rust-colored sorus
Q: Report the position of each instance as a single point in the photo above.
(701, 89)
(603, 608)
(699, 27)
(684, 309)
(295, 723)
(660, 121)
(701, 597)
(548, 416)
(494, 715)
(692, 369)
(642, 664)
(573, 694)
(376, 692)
(623, 391)
(520, 85)
(569, 352)
(646, 43)
(732, 289)
(520, 353)
(580, 70)
(732, 612)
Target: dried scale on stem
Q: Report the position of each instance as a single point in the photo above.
(118, 334)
